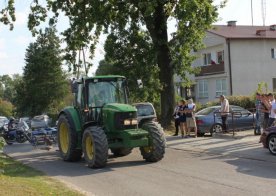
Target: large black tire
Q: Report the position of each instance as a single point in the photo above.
(120, 152)
(156, 150)
(67, 139)
(271, 143)
(95, 147)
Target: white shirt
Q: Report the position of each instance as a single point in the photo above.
(224, 107)
(273, 108)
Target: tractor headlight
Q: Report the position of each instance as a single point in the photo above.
(130, 122)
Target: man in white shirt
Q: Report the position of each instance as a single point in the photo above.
(224, 111)
(272, 115)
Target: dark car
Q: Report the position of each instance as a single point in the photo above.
(268, 138)
(208, 120)
(145, 111)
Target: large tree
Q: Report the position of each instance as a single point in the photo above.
(89, 18)
(43, 82)
(133, 57)
(7, 86)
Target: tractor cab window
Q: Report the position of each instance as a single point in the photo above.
(104, 92)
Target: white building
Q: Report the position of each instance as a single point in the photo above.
(235, 60)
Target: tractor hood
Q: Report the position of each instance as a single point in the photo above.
(118, 107)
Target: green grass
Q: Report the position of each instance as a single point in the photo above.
(17, 179)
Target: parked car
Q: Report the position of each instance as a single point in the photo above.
(145, 110)
(268, 139)
(26, 119)
(41, 121)
(208, 120)
(3, 120)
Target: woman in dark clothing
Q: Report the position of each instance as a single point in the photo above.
(176, 120)
(182, 117)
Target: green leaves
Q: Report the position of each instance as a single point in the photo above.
(43, 86)
(7, 14)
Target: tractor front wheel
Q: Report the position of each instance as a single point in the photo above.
(67, 139)
(95, 147)
(157, 142)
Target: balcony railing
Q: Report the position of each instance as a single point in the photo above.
(211, 69)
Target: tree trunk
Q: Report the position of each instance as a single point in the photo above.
(157, 26)
(166, 78)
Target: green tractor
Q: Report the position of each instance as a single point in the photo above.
(101, 119)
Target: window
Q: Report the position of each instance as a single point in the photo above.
(207, 59)
(220, 57)
(203, 89)
(273, 53)
(274, 84)
(221, 87)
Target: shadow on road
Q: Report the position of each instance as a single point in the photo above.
(239, 152)
(51, 163)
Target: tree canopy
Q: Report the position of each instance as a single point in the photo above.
(88, 19)
(43, 82)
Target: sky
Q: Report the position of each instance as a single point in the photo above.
(13, 44)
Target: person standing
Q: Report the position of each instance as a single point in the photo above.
(265, 110)
(182, 118)
(224, 111)
(190, 117)
(176, 119)
(272, 115)
(258, 106)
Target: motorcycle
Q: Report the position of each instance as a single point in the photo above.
(21, 133)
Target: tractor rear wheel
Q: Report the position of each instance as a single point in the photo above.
(95, 147)
(67, 139)
(156, 150)
(120, 152)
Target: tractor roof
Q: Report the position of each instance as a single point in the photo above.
(102, 77)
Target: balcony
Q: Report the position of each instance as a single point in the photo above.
(212, 69)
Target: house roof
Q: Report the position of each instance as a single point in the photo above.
(244, 32)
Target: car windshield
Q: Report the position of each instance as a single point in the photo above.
(144, 110)
(206, 111)
(104, 92)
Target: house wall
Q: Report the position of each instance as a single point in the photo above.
(252, 63)
(211, 87)
(213, 44)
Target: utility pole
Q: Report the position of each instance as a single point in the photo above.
(263, 11)
(252, 13)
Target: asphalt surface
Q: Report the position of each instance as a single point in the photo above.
(193, 166)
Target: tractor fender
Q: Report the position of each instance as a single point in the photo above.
(73, 116)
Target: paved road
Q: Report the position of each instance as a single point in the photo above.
(193, 166)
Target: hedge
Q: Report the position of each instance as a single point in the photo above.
(247, 102)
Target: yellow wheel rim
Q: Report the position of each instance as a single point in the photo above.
(89, 147)
(64, 137)
(148, 149)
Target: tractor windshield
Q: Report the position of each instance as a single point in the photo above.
(103, 92)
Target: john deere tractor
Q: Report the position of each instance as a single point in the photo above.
(101, 119)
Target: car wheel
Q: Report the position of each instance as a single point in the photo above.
(216, 128)
(272, 144)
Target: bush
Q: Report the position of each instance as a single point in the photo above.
(2, 143)
(247, 102)
(6, 108)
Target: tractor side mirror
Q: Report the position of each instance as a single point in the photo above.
(74, 86)
(140, 83)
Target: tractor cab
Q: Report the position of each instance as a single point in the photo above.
(97, 94)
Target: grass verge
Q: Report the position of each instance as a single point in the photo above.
(18, 179)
